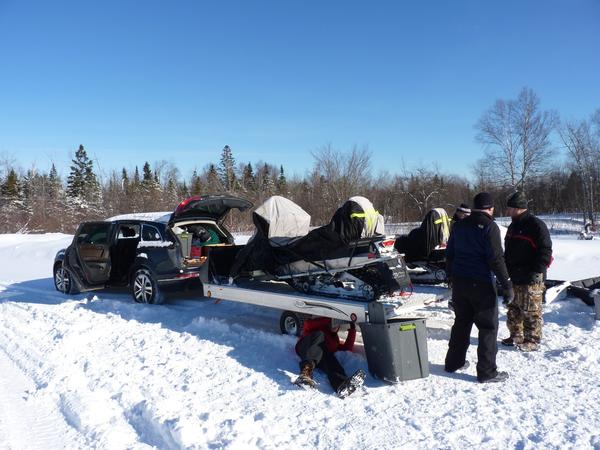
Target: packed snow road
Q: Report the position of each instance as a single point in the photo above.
(97, 371)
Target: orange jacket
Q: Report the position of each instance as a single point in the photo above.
(332, 340)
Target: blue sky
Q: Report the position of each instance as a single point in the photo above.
(154, 80)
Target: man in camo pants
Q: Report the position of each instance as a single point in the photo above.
(528, 253)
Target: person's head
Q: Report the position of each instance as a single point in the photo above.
(462, 211)
(516, 204)
(484, 202)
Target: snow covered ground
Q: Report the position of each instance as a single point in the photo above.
(97, 371)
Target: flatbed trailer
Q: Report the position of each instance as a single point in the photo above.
(295, 305)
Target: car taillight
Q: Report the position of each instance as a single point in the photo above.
(388, 243)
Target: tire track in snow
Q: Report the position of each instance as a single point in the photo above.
(29, 337)
(29, 419)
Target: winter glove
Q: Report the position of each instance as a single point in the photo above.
(537, 277)
(508, 295)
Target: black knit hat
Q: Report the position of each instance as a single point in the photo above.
(517, 200)
(483, 200)
(464, 208)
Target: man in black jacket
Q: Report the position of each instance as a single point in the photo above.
(474, 255)
(528, 253)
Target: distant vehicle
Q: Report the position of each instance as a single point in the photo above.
(146, 255)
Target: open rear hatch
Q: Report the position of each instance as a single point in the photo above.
(212, 207)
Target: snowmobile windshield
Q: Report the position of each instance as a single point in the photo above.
(213, 207)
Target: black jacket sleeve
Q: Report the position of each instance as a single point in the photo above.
(544, 248)
(496, 256)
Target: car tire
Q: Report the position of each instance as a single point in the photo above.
(144, 288)
(291, 323)
(63, 280)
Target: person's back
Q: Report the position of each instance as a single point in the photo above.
(471, 251)
(475, 251)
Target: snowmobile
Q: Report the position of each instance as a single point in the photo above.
(424, 248)
(588, 232)
(348, 258)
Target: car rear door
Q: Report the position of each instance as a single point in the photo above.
(212, 207)
(92, 244)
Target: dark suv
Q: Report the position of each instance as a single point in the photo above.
(146, 254)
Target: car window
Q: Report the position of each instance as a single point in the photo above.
(94, 234)
(151, 233)
(129, 232)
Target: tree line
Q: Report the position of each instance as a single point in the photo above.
(556, 162)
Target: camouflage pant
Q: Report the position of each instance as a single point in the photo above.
(524, 317)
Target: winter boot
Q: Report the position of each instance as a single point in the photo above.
(499, 378)
(305, 378)
(351, 384)
(511, 342)
(528, 346)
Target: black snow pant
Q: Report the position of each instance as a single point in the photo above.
(475, 302)
(312, 348)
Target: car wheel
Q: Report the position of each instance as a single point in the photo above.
(144, 288)
(63, 282)
(291, 323)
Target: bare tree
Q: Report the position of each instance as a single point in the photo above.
(583, 152)
(423, 186)
(516, 139)
(344, 172)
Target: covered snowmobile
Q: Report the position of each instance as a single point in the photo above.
(424, 248)
(350, 257)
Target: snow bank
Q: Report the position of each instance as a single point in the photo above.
(98, 371)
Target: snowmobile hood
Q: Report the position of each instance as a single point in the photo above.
(213, 207)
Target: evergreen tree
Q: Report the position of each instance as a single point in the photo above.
(80, 168)
(54, 184)
(196, 184)
(267, 182)
(281, 182)
(226, 170)
(12, 217)
(248, 179)
(150, 188)
(84, 193)
(183, 192)
(171, 196)
(213, 183)
(136, 201)
(10, 188)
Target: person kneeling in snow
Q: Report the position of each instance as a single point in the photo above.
(316, 348)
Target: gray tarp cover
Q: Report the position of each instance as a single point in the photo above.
(286, 219)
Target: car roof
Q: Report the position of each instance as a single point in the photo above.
(142, 216)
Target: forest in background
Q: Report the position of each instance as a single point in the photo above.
(556, 162)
